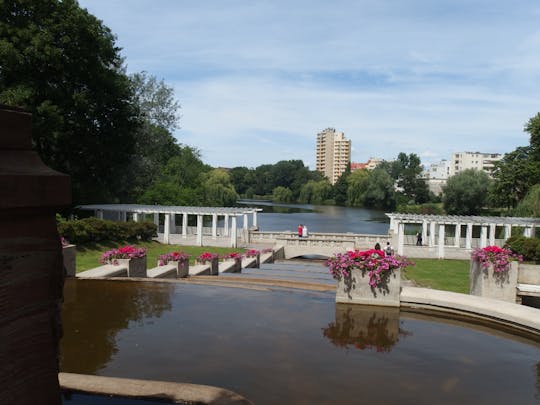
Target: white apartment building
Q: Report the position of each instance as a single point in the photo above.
(473, 160)
(333, 153)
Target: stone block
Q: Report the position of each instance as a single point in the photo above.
(136, 267)
(529, 274)
(356, 289)
(69, 254)
(489, 284)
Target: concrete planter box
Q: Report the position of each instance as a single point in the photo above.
(529, 274)
(214, 265)
(257, 260)
(237, 263)
(356, 289)
(70, 253)
(182, 267)
(486, 283)
(136, 267)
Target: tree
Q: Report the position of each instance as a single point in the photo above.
(340, 187)
(466, 192)
(358, 184)
(282, 195)
(62, 64)
(218, 189)
(530, 205)
(408, 179)
(380, 191)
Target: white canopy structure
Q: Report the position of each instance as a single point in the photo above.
(121, 212)
(434, 229)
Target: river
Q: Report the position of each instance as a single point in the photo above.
(318, 218)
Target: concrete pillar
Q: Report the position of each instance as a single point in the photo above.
(135, 217)
(492, 229)
(424, 232)
(255, 219)
(226, 225)
(167, 228)
(246, 222)
(123, 216)
(507, 231)
(432, 233)
(441, 242)
(483, 236)
(156, 219)
(234, 238)
(99, 214)
(214, 226)
(401, 237)
(457, 236)
(184, 225)
(527, 232)
(173, 223)
(31, 269)
(468, 237)
(199, 230)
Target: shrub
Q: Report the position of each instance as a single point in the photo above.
(529, 248)
(95, 230)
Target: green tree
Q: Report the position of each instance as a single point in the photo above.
(340, 188)
(282, 195)
(62, 65)
(380, 191)
(530, 205)
(409, 169)
(466, 192)
(358, 184)
(218, 189)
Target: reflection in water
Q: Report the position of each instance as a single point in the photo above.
(365, 327)
(97, 311)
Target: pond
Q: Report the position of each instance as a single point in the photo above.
(290, 347)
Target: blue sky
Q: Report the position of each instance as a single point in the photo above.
(257, 80)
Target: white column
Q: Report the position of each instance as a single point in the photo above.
(457, 235)
(468, 237)
(483, 236)
(214, 226)
(184, 225)
(527, 232)
(507, 231)
(432, 233)
(255, 219)
(441, 241)
(99, 214)
(401, 237)
(199, 229)
(156, 218)
(123, 216)
(166, 228)
(234, 238)
(492, 229)
(246, 222)
(424, 232)
(226, 225)
(135, 217)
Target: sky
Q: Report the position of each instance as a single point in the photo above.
(257, 80)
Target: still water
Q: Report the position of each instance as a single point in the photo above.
(283, 347)
(319, 218)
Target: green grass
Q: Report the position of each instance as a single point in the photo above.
(448, 275)
(88, 254)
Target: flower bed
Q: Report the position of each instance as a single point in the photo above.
(130, 256)
(367, 277)
(212, 259)
(172, 257)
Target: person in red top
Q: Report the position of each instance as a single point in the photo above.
(300, 228)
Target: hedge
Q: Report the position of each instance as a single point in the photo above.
(529, 248)
(95, 230)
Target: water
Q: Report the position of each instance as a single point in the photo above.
(290, 347)
(319, 218)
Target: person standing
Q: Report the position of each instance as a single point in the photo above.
(418, 239)
(304, 232)
(300, 230)
(388, 251)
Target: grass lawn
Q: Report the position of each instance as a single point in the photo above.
(88, 254)
(448, 275)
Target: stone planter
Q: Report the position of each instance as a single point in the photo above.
(486, 283)
(214, 265)
(69, 253)
(356, 289)
(182, 267)
(136, 267)
(257, 260)
(237, 263)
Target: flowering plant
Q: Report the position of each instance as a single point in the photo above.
(252, 253)
(232, 255)
(206, 257)
(124, 252)
(499, 257)
(267, 250)
(374, 262)
(172, 257)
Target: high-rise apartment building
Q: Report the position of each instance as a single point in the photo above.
(333, 153)
(473, 160)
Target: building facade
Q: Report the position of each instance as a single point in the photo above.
(473, 160)
(333, 154)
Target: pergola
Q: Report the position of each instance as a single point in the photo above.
(437, 224)
(138, 211)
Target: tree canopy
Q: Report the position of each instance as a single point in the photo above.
(466, 193)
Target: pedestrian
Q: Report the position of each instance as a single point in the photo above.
(304, 232)
(418, 239)
(300, 230)
(377, 246)
(389, 251)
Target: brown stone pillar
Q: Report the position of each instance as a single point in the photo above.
(31, 270)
